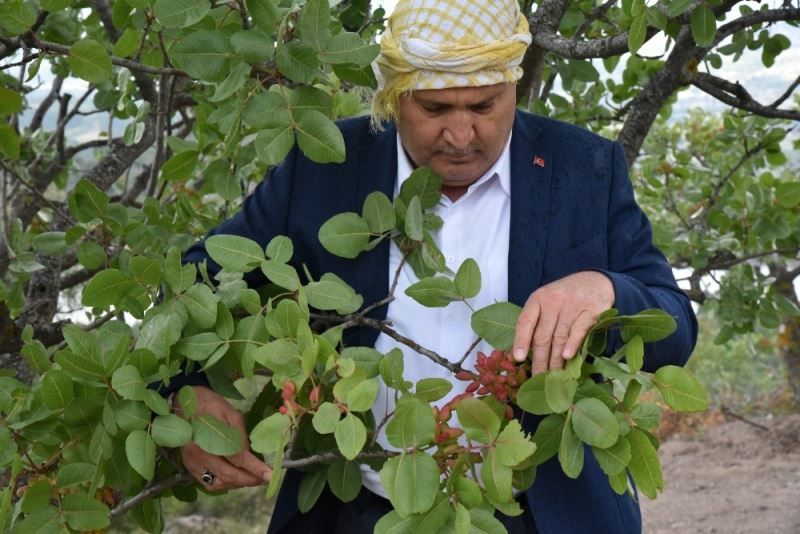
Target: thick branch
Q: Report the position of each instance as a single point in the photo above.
(737, 96)
(548, 14)
(52, 96)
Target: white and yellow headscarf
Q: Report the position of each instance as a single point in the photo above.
(438, 44)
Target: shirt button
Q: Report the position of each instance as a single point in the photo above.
(450, 316)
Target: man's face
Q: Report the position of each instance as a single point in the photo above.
(458, 132)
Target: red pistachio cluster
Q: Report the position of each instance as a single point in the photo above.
(497, 375)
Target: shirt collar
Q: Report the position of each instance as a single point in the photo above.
(500, 169)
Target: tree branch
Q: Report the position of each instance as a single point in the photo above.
(737, 96)
(786, 94)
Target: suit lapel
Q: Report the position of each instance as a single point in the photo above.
(531, 169)
(376, 170)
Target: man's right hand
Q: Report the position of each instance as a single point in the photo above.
(236, 471)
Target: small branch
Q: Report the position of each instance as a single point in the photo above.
(431, 355)
(786, 94)
(743, 419)
(469, 350)
(120, 62)
(38, 116)
(725, 179)
(737, 96)
(20, 63)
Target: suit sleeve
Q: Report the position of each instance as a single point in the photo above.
(641, 275)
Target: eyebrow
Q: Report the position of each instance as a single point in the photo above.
(422, 101)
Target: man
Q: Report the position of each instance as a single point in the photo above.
(545, 208)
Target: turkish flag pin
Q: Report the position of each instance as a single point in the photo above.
(538, 161)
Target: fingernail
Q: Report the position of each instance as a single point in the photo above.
(519, 354)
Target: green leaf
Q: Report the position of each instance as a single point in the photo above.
(36, 496)
(484, 522)
(433, 292)
(57, 392)
(265, 13)
(362, 396)
(127, 43)
(141, 452)
(333, 295)
(677, 7)
(131, 415)
(511, 446)
(319, 138)
(594, 423)
(613, 460)
(559, 390)
(412, 424)
(201, 305)
(480, 423)
(787, 194)
(468, 279)
(204, 55)
(9, 141)
(146, 271)
(496, 477)
(17, 17)
(180, 166)
(128, 382)
(216, 437)
(90, 200)
(570, 452)
(413, 220)
(411, 481)
(10, 101)
(180, 13)
(432, 389)
(160, 333)
(281, 274)
(644, 465)
(83, 513)
(391, 370)
(637, 32)
(350, 48)
(107, 288)
(467, 491)
(531, 396)
(234, 253)
(253, 46)
(344, 479)
(280, 249)
(314, 23)
(326, 419)
(271, 434)
(178, 277)
(187, 400)
(310, 489)
(345, 235)
(297, 61)
(351, 435)
(91, 255)
(704, 25)
(90, 61)
(547, 438)
(496, 324)
(423, 183)
(272, 144)
(634, 353)
(651, 325)
(681, 391)
(171, 431)
(393, 523)
(73, 474)
(378, 213)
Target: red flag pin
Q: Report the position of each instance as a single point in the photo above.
(538, 161)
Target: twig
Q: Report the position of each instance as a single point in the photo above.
(469, 350)
(91, 326)
(735, 415)
(22, 62)
(38, 194)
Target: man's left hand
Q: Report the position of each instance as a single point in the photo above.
(557, 316)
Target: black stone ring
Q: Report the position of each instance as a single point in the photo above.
(208, 477)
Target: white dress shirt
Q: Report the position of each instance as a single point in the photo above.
(475, 226)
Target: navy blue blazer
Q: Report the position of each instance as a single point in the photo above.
(572, 209)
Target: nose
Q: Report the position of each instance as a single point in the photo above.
(459, 131)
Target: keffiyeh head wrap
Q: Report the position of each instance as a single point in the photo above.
(438, 44)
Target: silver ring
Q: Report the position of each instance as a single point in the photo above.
(208, 477)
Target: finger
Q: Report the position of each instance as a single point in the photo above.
(226, 475)
(577, 332)
(542, 340)
(526, 322)
(560, 337)
(247, 461)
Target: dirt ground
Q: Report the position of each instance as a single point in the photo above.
(730, 478)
